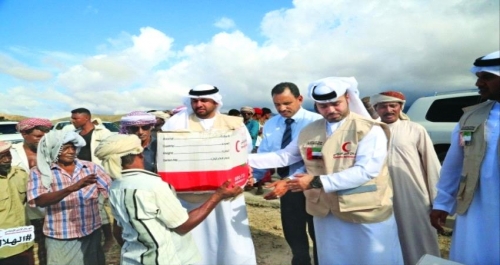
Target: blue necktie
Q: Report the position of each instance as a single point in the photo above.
(287, 138)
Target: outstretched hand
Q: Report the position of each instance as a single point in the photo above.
(300, 182)
(228, 190)
(279, 190)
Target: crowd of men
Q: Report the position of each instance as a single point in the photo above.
(363, 190)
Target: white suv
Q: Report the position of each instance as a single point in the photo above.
(440, 113)
(9, 133)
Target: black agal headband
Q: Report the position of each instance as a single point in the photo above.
(203, 92)
(486, 62)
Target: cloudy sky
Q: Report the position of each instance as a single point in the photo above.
(114, 57)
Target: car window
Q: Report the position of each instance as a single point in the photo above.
(61, 125)
(8, 129)
(111, 126)
(450, 109)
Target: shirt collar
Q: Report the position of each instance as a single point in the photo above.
(134, 171)
(77, 162)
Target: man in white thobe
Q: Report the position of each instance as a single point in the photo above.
(414, 169)
(347, 185)
(470, 178)
(224, 236)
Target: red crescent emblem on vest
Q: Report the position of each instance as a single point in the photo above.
(345, 147)
(237, 146)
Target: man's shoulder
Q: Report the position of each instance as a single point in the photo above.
(101, 132)
(413, 125)
(481, 105)
(17, 170)
(232, 121)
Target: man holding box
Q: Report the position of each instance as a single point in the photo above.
(224, 236)
(153, 226)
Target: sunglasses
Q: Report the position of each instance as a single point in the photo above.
(134, 129)
(246, 113)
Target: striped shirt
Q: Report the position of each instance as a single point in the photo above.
(76, 215)
(147, 210)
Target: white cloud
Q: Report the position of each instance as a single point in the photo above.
(18, 70)
(415, 48)
(225, 23)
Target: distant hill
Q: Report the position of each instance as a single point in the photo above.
(10, 117)
(111, 118)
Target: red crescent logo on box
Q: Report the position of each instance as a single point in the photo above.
(345, 147)
(237, 146)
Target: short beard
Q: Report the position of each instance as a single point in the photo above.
(5, 169)
(32, 147)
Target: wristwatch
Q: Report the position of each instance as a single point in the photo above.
(316, 183)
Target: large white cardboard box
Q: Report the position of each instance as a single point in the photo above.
(202, 161)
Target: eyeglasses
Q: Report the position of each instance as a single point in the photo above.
(134, 129)
(246, 113)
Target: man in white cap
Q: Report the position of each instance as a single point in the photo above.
(141, 124)
(251, 124)
(68, 188)
(347, 185)
(470, 177)
(13, 182)
(414, 170)
(151, 231)
(224, 236)
(161, 118)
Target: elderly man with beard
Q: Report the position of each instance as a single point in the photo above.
(224, 236)
(24, 156)
(347, 186)
(69, 189)
(141, 124)
(470, 178)
(13, 182)
(414, 169)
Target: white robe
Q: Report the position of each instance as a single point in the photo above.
(224, 236)
(414, 169)
(337, 241)
(476, 237)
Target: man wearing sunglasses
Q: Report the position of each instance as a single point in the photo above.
(141, 124)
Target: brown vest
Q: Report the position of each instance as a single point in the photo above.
(473, 122)
(368, 203)
(221, 122)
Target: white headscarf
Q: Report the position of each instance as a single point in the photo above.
(111, 149)
(331, 88)
(179, 121)
(49, 149)
(160, 114)
(489, 63)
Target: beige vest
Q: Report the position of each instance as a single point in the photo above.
(221, 122)
(473, 122)
(368, 203)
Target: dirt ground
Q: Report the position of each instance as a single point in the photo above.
(265, 225)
